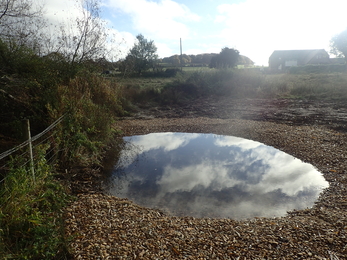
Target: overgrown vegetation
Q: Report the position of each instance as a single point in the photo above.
(42, 88)
(91, 104)
(238, 83)
(31, 224)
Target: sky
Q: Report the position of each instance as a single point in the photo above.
(254, 27)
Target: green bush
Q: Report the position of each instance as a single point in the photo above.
(91, 104)
(245, 83)
(28, 83)
(198, 83)
(31, 223)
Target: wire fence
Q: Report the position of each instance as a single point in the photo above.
(28, 156)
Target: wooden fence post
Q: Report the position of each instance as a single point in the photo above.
(30, 150)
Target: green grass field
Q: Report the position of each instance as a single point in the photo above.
(238, 83)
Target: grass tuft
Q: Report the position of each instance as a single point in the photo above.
(31, 223)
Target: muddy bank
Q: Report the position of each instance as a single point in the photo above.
(287, 111)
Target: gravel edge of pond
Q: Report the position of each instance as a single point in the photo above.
(107, 227)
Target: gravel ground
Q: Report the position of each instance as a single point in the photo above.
(107, 227)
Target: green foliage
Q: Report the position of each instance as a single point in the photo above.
(17, 59)
(198, 83)
(251, 83)
(91, 104)
(28, 83)
(31, 223)
(200, 60)
(320, 86)
(139, 94)
(142, 56)
(227, 58)
(308, 86)
(41, 89)
(144, 89)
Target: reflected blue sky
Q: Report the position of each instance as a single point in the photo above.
(207, 175)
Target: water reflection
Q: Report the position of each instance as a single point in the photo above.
(205, 175)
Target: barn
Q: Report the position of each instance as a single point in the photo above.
(283, 59)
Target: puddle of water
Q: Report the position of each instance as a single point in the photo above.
(207, 175)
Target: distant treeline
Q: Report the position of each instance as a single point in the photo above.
(200, 60)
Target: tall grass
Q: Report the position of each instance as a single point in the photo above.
(320, 86)
(198, 83)
(31, 223)
(141, 89)
(254, 84)
(91, 104)
(43, 89)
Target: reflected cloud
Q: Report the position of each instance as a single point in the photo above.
(242, 143)
(206, 175)
(137, 145)
(164, 141)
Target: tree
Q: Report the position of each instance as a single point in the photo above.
(186, 59)
(227, 58)
(21, 22)
(143, 54)
(127, 65)
(175, 60)
(338, 45)
(87, 39)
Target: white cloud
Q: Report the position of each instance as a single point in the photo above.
(256, 28)
(63, 14)
(189, 177)
(259, 27)
(166, 141)
(141, 144)
(120, 43)
(57, 12)
(165, 50)
(244, 144)
(160, 20)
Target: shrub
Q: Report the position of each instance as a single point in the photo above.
(198, 83)
(31, 223)
(91, 104)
